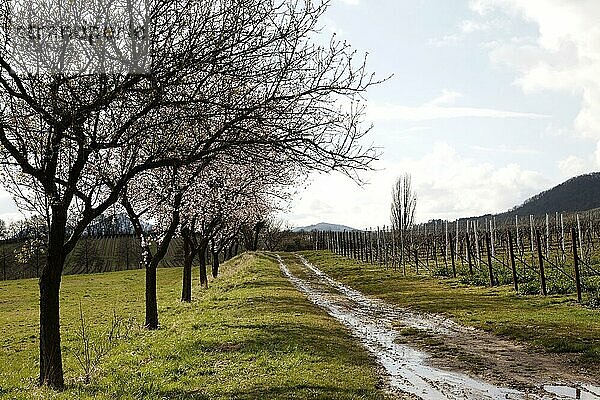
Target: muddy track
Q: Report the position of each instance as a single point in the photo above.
(430, 357)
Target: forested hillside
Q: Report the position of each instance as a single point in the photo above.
(577, 194)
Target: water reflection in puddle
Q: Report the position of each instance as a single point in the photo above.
(584, 392)
(371, 321)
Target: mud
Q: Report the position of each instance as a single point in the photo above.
(431, 357)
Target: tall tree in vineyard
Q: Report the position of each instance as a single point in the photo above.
(404, 203)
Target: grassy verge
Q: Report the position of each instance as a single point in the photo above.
(251, 335)
(555, 323)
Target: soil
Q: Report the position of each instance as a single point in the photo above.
(431, 357)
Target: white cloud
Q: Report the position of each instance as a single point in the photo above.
(432, 112)
(451, 186)
(350, 2)
(440, 108)
(565, 55)
(8, 209)
(597, 155)
(447, 184)
(465, 28)
(572, 166)
(506, 149)
(445, 98)
(470, 26)
(446, 40)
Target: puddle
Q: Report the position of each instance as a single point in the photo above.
(584, 392)
(370, 320)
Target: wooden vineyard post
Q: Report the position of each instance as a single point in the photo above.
(513, 266)
(444, 255)
(457, 243)
(531, 231)
(452, 256)
(492, 238)
(365, 246)
(417, 260)
(489, 257)
(576, 261)
(446, 245)
(433, 250)
(469, 255)
(370, 247)
(384, 245)
(541, 261)
(348, 244)
(393, 247)
(378, 246)
(360, 245)
(547, 236)
(476, 233)
(579, 237)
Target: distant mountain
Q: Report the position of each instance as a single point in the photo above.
(577, 194)
(324, 226)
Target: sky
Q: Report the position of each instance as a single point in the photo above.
(490, 103)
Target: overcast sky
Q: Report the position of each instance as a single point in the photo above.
(491, 102)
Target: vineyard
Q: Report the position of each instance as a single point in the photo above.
(552, 254)
(26, 258)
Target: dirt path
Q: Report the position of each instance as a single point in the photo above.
(431, 357)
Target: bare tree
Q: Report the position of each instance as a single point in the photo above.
(225, 197)
(156, 195)
(161, 84)
(274, 233)
(404, 203)
(3, 230)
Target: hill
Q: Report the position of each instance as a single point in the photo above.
(324, 226)
(580, 193)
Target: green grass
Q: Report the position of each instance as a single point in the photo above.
(250, 336)
(555, 323)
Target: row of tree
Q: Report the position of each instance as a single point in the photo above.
(195, 116)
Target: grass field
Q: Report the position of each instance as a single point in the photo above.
(555, 323)
(251, 335)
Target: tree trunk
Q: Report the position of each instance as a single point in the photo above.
(150, 261)
(51, 369)
(151, 302)
(215, 264)
(202, 257)
(188, 259)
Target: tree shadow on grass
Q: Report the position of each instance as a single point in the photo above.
(327, 341)
(301, 391)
